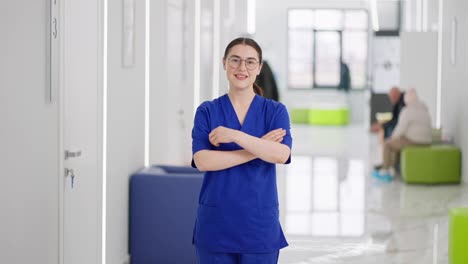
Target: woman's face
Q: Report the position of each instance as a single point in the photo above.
(242, 66)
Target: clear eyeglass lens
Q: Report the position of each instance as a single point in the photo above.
(250, 64)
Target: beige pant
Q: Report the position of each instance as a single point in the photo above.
(392, 148)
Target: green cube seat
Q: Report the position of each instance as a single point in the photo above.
(431, 164)
(331, 116)
(299, 115)
(320, 116)
(458, 236)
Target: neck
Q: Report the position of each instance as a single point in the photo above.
(241, 96)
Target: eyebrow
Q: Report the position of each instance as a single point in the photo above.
(241, 58)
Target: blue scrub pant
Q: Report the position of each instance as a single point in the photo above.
(207, 257)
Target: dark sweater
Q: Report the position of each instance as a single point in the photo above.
(390, 125)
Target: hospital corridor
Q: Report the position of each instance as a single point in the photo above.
(333, 211)
(234, 131)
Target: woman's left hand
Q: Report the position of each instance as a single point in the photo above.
(222, 135)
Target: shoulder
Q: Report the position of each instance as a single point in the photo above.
(272, 105)
(209, 105)
(405, 110)
(412, 108)
(408, 112)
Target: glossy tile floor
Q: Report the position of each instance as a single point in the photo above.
(334, 211)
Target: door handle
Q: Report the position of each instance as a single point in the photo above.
(72, 154)
(69, 172)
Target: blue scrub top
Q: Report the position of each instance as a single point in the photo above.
(238, 207)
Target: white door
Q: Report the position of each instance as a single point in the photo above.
(82, 130)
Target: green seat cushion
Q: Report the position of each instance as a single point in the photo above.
(320, 116)
(338, 116)
(299, 115)
(431, 164)
(458, 236)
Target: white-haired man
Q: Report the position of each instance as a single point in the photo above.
(413, 128)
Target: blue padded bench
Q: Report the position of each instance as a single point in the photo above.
(163, 208)
(175, 169)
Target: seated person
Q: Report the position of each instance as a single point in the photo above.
(395, 95)
(413, 128)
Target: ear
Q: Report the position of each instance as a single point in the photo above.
(224, 63)
(260, 68)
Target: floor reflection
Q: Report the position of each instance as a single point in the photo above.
(325, 197)
(333, 211)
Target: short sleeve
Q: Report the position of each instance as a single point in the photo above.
(200, 131)
(281, 120)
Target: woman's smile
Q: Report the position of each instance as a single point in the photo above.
(241, 76)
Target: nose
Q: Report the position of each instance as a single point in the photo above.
(243, 65)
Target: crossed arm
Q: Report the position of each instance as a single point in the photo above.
(267, 148)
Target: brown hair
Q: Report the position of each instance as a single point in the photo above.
(249, 42)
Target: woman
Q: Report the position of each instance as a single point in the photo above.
(237, 140)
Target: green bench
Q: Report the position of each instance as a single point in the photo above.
(431, 164)
(458, 236)
(320, 116)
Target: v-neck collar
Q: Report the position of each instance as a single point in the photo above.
(247, 115)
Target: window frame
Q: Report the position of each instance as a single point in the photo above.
(367, 65)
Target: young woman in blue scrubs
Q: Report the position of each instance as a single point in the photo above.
(237, 140)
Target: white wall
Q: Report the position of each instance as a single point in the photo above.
(454, 91)
(171, 81)
(385, 63)
(28, 138)
(419, 66)
(207, 50)
(158, 81)
(125, 125)
(419, 16)
(271, 33)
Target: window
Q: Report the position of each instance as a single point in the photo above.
(327, 48)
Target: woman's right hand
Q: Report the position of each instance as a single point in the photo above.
(275, 135)
(221, 135)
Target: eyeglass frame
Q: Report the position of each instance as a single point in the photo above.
(257, 63)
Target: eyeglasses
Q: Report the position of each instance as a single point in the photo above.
(235, 62)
